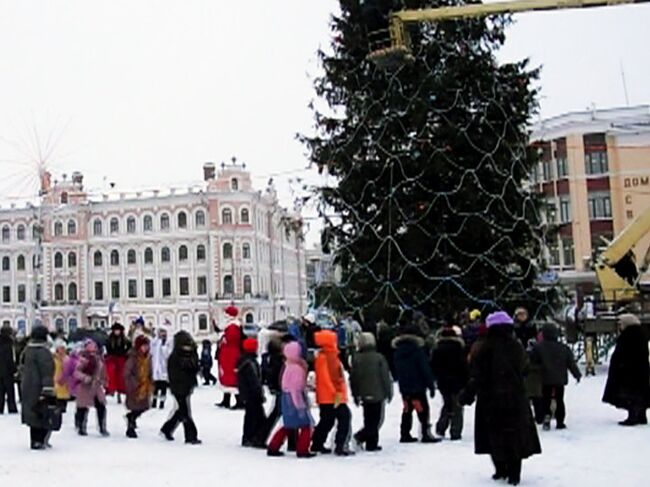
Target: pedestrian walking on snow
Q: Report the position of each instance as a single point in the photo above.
(138, 378)
(206, 363)
(117, 350)
(161, 349)
(90, 374)
(8, 371)
(249, 378)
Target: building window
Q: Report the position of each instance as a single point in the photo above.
(245, 215)
(38, 293)
(182, 220)
(553, 253)
(115, 289)
(248, 285)
(203, 323)
(72, 259)
(596, 162)
(166, 287)
(6, 233)
(115, 258)
(147, 223)
(21, 293)
(72, 227)
(133, 288)
(20, 232)
(114, 226)
(99, 291)
(600, 206)
(546, 171)
(58, 292)
(58, 260)
(58, 229)
(567, 252)
(64, 198)
(148, 256)
(199, 219)
(130, 224)
(36, 233)
(6, 264)
(72, 325)
(182, 253)
(234, 184)
(97, 258)
(565, 210)
(562, 167)
(200, 253)
(246, 251)
(227, 251)
(201, 286)
(148, 288)
(97, 227)
(72, 292)
(184, 286)
(228, 285)
(164, 222)
(250, 319)
(226, 216)
(165, 255)
(20, 263)
(130, 257)
(6, 294)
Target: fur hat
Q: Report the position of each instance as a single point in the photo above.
(231, 311)
(628, 319)
(250, 345)
(498, 318)
(39, 334)
(117, 326)
(140, 340)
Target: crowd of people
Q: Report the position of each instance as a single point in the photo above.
(515, 372)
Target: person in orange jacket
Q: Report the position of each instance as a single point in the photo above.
(331, 396)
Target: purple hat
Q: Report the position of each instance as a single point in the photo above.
(498, 318)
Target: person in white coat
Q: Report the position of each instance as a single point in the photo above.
(161, 349)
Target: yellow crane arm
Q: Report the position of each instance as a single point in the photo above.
(627, 239)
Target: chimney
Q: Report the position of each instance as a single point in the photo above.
(208, 171)
(77, 178)
(46, 182)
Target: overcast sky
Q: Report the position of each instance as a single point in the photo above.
(141, 93)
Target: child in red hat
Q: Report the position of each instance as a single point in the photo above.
(249, 379)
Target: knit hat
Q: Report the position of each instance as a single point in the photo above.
(232, 311)
(141, 340)
(474, 315)
(498, 318)
(628, 319)
(139, 321)
(250, 345)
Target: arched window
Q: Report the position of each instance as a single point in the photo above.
(164, 222)
(59, 324)
(21, 293)
(64, 198)
(203, 322)
(130, 224)
(97, 258)
(250, 319)
(130, 256)
(182, 253)
(199, 219)
(97, 227)
(226, 216)
(248, 285)
(72, 325)
(35, 232)
(165, 255)
(58, 260)
(72, 227)
(6, 233)
(58, 229)
(20, 232)
(234, 184)
(200, 253)
(72, 292)
(228, 287)
(182, 220)
(227, 251)
(245, 215)
(148, 256)
(72, 259)
(6, 264)
(246, 250)
(20, 263)
(115, 225)
(115, 258)
(147, 223)
(58, 292)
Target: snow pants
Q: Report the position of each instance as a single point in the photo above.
(254, 418)
(329, 415)
(450, 414)
(548, 394)
(419, 404)
(302, 443)
(373, 417)
(182, 414)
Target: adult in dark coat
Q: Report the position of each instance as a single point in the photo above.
(183, 366)
(7, 371)
(628, 381)
(556, 359)
(37, 386)
(504, 426)
(525, 330)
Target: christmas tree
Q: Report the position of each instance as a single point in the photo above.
(431, 208)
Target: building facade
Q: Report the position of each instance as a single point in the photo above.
(595, 175)
(173, 256)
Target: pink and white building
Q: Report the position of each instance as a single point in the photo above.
(171, 256)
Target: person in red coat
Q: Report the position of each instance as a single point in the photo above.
(228, 353)
(117, 351)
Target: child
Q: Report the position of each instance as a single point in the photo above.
(61, 391)
(449, 366)
(161, 348)
(182, 367)
(251, 393)
(117, 349)
(91, 375)
(372, 386)
(295, 408)
(272, 366)
(138, 378)
(331, 395)
(206, 363)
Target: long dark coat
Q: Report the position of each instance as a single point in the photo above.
(37, 380)
(628, 381)
(504, 426)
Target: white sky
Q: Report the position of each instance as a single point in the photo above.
(143, 92)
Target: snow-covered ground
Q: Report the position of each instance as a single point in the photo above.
(594, 451)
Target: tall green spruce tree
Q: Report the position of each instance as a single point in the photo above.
(430, 209)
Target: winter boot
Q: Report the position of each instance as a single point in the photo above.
(500, 470)
(154, 403)
(167, 435)
(82, 421)
(238, 403)
(119, 398)
(101, 420)
(225, 403)
(302, 455)
(427, 437)
(131, 426)
(162, 403)
(547, 423)
(514, 472)
(407, 439)
(274, 453)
